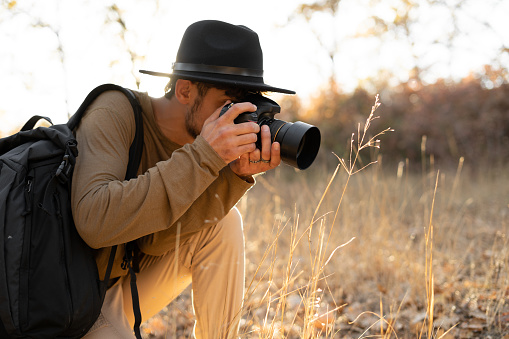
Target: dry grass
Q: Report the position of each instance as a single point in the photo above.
(382, 253)
(423, 259)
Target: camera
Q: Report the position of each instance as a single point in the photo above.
(299, 141)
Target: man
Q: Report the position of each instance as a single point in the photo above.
(195, 167)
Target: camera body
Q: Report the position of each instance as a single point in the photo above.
(265, 112)
(299, 141)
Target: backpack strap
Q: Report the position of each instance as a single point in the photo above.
(33, 120)
(136, 148)
(129, 263)
(135, 152)
(76, 118)
(131, 249)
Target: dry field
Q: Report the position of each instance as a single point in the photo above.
(389, 253)
(401, 276)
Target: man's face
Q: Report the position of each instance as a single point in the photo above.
(202, 108)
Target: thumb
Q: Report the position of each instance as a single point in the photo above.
(217, 113)
(231, 111)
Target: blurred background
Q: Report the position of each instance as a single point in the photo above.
(440, 66)
(425, 229)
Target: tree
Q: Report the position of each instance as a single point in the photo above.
(308, 11)
(55, 51)
(425, 38)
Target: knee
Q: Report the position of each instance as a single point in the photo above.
(231, 228)
(233, 219)
(225, 239)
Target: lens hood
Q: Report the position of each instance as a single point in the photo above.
(299, 142)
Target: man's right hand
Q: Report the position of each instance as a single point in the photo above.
(228, 139)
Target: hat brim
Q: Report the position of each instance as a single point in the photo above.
(251, 83)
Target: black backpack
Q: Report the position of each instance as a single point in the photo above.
(49, 282)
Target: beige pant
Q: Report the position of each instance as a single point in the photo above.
(213, 260)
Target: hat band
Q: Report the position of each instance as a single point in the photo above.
(182, 66)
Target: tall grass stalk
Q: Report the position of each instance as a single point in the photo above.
(430, 294)
(311, 293)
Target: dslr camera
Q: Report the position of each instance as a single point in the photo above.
(299, 141)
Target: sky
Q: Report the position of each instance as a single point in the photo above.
(36, 80)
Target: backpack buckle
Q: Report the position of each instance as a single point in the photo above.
(71, 148)
(64, 170)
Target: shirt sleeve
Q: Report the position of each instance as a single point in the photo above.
(109, 210)
(209, 208)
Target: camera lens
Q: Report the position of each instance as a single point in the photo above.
(299, 142)
(301, 146)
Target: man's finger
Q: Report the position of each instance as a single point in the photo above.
(246, 128)
(247, 138)
(254, 157)
(215, 115)
(265, 142)
(233, 111)
(275, 155)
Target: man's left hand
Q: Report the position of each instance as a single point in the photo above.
(258, 161)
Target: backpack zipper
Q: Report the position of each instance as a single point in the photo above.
(62, 256)
(28, 196)
(25, 257)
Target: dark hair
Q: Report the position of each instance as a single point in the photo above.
(203, 87)
(169, 89)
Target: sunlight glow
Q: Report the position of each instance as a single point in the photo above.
(54, 52)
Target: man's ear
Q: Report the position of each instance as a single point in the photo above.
(183, 91)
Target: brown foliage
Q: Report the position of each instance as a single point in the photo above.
(463, 119)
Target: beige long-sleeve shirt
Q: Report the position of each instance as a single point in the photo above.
(188, 185)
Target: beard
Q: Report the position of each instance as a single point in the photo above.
(191, 124)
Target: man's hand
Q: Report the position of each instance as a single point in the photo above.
(258, 161)
(235, 143)
(231, 140)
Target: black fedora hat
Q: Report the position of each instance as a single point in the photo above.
(217, 52)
